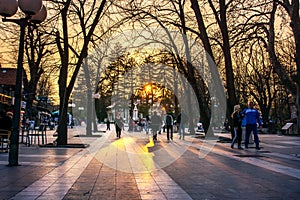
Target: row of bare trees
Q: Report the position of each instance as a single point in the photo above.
(244, 38)
(255, 45)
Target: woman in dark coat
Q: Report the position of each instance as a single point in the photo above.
(237, 126)
(119, 125)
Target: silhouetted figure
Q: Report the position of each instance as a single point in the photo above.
(107, 125)
(181, 121)
(169, 126)
(155, 125)
(119, 125)
(237, 126)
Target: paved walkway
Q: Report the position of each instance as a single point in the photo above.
(134, 167)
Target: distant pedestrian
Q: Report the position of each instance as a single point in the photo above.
(119, 125)
(226, 125)
(147, 124)
(131, 124)
(252, 118)
(155, 125)
(237, 126)
(200, 125)
(107, 124)
(181, 123)
(169, 126)
(164, 122)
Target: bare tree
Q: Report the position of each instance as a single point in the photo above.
(221, 18)
(291, 82)
(255, 77)
(85, 16)
(38, 51)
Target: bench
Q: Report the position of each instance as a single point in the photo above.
(4, 139)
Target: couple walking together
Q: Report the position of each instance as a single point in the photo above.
(169, 122)
(252, 117)
(156, 124)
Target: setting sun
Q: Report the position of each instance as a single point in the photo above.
(148, 88)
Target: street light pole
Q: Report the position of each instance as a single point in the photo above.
(35, 11)
(14, 140)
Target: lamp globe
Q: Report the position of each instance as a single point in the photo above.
(8, 7)
(40, 16)
(30, 7)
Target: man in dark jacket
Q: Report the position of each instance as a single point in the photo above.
(155, 125)
(169, 126)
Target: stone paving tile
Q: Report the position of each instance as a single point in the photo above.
(104, 184)
(158, 196)
(76, 197)
(103, 195)
(127, 193)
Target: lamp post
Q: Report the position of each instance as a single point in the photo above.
(34, 12)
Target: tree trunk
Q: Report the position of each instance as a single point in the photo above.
(295, 24)
(62, 129)
(89, 106)
(216, 81)
(298, 108)
(89, 111)
(222, 22)
(64, 94)
(94, 117)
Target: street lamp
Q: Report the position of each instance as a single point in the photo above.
(34, 12)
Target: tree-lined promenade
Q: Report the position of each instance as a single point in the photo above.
(254, 46)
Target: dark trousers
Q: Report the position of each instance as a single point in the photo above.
(251, 128)
(155, 130)
(169, 132)
(118, 131)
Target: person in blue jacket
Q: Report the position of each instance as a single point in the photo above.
(252, 118)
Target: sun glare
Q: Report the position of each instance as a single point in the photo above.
(148, 88)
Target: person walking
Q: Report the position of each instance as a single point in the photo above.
(155, 125)
(147, 124)
(181, 122)
(119, 125)
(237, 126)
(169, 126)
(252, 118)
(107, 124)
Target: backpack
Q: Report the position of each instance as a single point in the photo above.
(169, 120)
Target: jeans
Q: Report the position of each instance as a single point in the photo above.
(147, 128)
(237, 136)
(181, 132)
